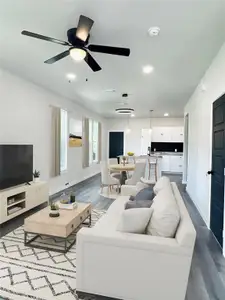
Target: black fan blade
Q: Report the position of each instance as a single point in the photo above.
(109, 50)
(92, 62)
(57, 57)
(84, 27)
(43, 37)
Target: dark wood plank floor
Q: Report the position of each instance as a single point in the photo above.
(207, 276)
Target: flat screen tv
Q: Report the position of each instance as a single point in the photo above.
(16, 165)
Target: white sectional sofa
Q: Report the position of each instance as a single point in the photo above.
(129, 266)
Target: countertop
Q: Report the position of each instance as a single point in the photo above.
(167, 153)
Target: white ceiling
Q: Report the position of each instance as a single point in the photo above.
(192, 32)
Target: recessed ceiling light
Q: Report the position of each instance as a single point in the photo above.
(154, 31)
(148, 69)
(132, 115)
(71, 76)
(110, 91)
(166, 115)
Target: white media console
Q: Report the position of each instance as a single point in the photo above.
(17, 200)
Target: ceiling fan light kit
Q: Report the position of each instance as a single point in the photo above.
(78, 39)
(77, 54)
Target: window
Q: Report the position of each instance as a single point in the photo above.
(93, 141)
(64, 140)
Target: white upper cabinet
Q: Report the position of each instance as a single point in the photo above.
(177, 134)
(161, 134)
(168, 134)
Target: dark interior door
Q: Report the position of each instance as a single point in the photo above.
(116, 141)
(218, 165)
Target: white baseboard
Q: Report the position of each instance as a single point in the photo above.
(199, 210)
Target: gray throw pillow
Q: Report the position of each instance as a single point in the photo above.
(138, 204)
(132, 198)
(145, 194)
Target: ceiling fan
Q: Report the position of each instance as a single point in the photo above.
(78, 44)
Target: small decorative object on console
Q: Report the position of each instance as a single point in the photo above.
(54, 211)
(130, 153)
(36, 175)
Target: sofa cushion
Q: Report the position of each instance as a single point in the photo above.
(161, 184)
(139, 186)
(138, 204)
(166, 216)
(145, 194)
(134, 220)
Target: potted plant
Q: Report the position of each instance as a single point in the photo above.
(36, 175)
(54, 210)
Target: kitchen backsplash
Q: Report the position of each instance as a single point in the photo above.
(167, 147)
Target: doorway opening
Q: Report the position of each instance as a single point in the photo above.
(116, 143)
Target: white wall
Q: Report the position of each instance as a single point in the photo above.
(199, 108)
(25, 117)
(133, 138)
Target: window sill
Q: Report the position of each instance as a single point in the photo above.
(93, 163)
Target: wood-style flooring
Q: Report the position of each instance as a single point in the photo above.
(207, 276)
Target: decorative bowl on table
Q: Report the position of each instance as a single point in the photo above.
(130, 153)
(66, 204)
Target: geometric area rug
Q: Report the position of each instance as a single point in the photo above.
(28, 273)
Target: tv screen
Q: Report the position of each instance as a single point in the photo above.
(16, 165)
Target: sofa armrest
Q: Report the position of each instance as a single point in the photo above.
(104, 257)
(128, 190)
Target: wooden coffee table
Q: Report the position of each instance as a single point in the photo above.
(63, 226)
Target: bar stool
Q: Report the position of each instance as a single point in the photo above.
(153, 165)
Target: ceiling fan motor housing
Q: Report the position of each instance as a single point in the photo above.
(72, 39)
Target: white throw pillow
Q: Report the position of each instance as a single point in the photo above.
(134, 220)
(161, 184)
(166, 215)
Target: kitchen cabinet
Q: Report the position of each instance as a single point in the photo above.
(165, 163)
(176, 164)
(177, 134)
(161, 134)
(171, 163)
(167, 134)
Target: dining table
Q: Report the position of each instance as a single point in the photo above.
(123, 169)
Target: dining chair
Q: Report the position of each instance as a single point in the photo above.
(113, 161)
(106, 178)
(139, 172)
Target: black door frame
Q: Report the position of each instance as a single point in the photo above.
(124, 139)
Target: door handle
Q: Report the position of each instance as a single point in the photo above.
(210, 172)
